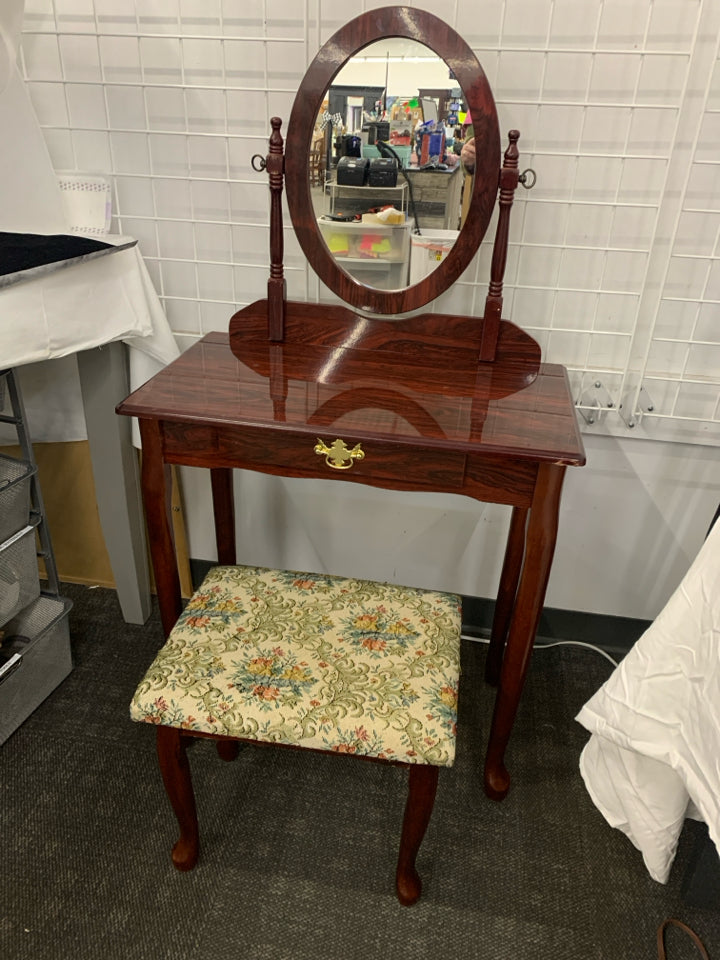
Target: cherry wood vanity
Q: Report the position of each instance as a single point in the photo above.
(358, 394)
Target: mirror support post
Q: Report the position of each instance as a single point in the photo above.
(493, 304)
(275, 166)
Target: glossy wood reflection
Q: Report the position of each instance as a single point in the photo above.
(508, 408)
(427, 413)
(435, 402)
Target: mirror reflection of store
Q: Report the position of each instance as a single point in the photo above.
(390, 146)
(351, 103)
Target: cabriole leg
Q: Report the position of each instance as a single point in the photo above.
(422, 784)
(228, 750)
(178, 786)
(509, 579)
(539, 549)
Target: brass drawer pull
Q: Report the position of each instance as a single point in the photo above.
(337, 455)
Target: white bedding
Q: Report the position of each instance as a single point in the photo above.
(654, 755)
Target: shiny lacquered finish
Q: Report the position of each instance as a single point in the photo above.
(426, 414)
(433, 402)
(510, 409)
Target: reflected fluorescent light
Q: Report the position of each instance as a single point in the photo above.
(338, 353)
(394, 59)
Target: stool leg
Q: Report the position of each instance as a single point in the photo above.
(178, 786)
(228, 750)
(422, 784)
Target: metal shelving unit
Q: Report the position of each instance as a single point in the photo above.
(366, 195)
(34, 634)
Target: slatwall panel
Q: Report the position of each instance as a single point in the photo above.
(613, 256)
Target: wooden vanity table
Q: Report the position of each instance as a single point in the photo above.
(434, 403)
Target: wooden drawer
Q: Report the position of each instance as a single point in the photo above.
(293, 454)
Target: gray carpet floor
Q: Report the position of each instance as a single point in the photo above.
(298, 849)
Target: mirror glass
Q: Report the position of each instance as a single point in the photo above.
(385, 175)
(364, 60)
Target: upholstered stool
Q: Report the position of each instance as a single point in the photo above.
(349, 666)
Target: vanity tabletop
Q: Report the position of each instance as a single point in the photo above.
(507, 408)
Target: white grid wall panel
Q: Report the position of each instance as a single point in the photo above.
(171, 98)
(682, 371)
(596, 91)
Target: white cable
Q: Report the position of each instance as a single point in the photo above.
(555, 643)
(577, 643)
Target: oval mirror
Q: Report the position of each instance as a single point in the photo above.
(385, 174)
(337, 208)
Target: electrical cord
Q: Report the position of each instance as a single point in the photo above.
(386, 149)
(577, 643)
(552, 643)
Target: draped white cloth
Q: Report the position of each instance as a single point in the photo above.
(654, 755)
(77, 308)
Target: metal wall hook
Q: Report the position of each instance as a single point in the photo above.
(645, 401)
(261, 163)
(528, 178)
(594, 401)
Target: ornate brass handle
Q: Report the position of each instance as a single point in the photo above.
(337, 454)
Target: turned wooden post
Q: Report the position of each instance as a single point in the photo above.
(493, 304)
(275, 166)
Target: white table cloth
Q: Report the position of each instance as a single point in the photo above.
(84, 306)
(81, 311)
(70, 313)
(78, 308)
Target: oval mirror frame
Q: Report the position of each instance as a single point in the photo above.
(375, 25)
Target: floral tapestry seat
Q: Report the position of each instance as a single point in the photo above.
(322, 662)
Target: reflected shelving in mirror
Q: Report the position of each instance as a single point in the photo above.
(356, 144)
(384, 168)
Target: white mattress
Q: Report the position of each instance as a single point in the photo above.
(654, 755)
